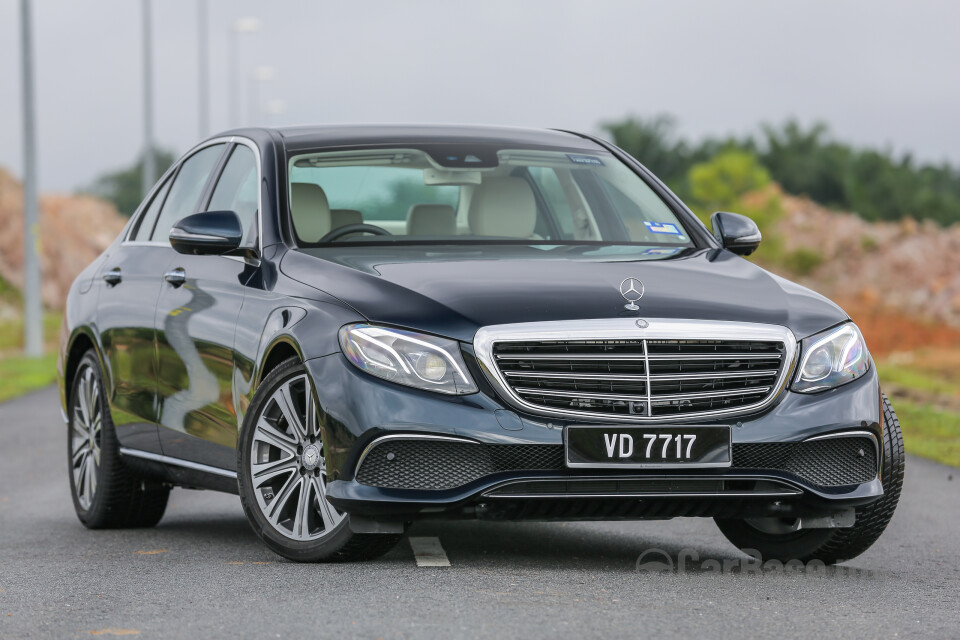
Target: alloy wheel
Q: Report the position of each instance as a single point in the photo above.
(287, 465)
(85, 437)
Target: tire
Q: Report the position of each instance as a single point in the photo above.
(834, 545)
(106, 495)
(285, 496)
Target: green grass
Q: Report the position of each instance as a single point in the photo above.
(929, 432)
(915, 379)
(11, 332)
(20, 375)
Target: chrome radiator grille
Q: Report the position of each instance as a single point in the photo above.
(641, 378)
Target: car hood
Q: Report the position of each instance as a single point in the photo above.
(454, 293)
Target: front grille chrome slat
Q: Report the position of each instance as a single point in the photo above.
(637, 357)
(645, 378)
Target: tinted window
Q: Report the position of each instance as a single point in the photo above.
(237, 189)
(186, 190)
(149, 218)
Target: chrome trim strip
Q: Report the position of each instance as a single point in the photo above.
(406, 436)
(852, 434)
(788, 489)
(196, 466)
(617, 396)
(626, 329)
(207, 143)
(638, 377)
(640, 358)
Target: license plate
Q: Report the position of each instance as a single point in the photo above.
(650, 447)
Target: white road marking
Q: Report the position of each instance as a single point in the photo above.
(428, 552)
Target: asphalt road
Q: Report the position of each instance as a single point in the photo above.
(202, 574)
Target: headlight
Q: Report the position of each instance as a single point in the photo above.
(405, 357)
(831, 359)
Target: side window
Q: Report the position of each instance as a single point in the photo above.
(237, 188)
(186, 190)
(149, 218)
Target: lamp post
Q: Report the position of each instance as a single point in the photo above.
(149, 161)
(239, 26)
(32, 301)
(203, 66)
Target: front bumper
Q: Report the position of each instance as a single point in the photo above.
(359, 411)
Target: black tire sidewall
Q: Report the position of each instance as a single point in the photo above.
(301, 551)
(94, 515)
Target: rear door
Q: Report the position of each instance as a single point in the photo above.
(196, 318)
(131, 278)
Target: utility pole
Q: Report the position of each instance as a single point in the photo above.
(149, 160)
(203, 55)
(32, 298)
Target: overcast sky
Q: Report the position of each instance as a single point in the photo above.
(880, 72)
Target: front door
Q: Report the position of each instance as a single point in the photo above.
(196, 318)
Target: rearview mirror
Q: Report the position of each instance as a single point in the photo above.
(735, 232)
(209, 233)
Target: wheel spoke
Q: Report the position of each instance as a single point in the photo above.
(79, 453)
(300, 523)
(269, 434)
(280, 500)
(324, 507)
(267, 471)
(83, 397)
(92, 476)
(313, 430)
(288, 408)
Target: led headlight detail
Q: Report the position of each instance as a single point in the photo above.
(831, 359)
(408, 358)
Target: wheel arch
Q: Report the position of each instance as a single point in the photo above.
(80, 342)
(282, 348)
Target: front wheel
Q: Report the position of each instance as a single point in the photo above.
(283, 476)
(782, 540)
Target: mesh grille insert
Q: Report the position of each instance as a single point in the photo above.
(438, 465)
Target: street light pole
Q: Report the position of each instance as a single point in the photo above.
(203, 55)
(149, 161)
(32, 300)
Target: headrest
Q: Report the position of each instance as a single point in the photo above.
(431, 220)
(310, 211)
(343, 217)
(503, 207)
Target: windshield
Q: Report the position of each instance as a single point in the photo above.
(515, 196)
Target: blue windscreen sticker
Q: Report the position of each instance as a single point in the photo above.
(660, 251)
(662, 227)
(588, 160)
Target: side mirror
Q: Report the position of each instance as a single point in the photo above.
(211, 233)
(735, 232)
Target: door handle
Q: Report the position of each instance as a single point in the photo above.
(176, 277)
(112, 277)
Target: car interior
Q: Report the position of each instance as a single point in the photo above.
(530, 195)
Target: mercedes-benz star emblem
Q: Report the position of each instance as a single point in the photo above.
(632, 290)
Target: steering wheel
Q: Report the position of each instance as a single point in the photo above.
(347, 229)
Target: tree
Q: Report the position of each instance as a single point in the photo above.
(124, 187)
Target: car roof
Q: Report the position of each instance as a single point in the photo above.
(304, 137)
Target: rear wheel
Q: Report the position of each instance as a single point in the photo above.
(105, 493)
(780, 539)
(283, 476)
